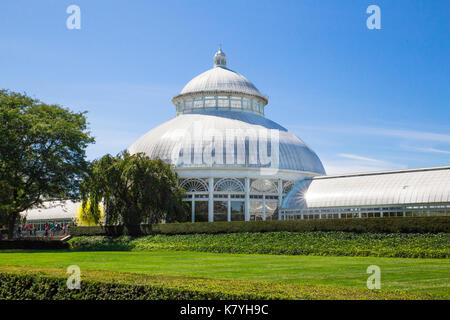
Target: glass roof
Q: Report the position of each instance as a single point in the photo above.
(193, 132)
(428, 185)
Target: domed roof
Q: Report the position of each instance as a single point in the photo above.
(220, 79)
(192, 131)
(223, 80)
(218, 126)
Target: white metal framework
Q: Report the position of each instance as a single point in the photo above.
(392, 193)
(223, 112)
(227, 199)
(194, 185)
(220, 88)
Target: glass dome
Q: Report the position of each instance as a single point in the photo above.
(234, 163)
(192, 131)
(220, 88)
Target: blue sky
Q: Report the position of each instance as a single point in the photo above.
(363, 99)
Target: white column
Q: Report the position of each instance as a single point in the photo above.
(229, 208)
(247, 199)
(264, 208)
(280, 197)
(193, 208)
(211, 199)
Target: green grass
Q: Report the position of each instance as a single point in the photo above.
(291, 243)
(422, 276)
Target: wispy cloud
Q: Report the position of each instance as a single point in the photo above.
(341, 167)
(352, 163)
(405, 134)
(356, 157)
(430, 150)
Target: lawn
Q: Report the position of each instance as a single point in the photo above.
(414, 275)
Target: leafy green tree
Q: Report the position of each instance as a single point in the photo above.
(42, 153)
(133, 189)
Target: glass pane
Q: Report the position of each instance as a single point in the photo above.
(271, 210)
(237, 210)
(256, 210)
(210, 103)
(220, 210)
(201, 211)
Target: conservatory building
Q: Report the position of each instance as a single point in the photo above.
(234, 163)
(403, 193)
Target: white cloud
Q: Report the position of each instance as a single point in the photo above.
(407, 134)
(431, 150)
(353, 163)
(410, 135)
(341, 167)
(356, 157)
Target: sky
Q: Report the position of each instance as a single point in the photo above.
(363, 99)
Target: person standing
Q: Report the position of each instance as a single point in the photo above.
(52, 229)
(47, 227)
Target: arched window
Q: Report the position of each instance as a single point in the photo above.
(229, 185)
(264, 185)
(194, 185)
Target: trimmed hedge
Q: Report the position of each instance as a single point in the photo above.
(21, 283)
(33, 244)
(34, 287)
(377, 225)
(88, 231)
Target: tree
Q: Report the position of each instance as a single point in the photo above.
(42, 153)
(84, 217)
(133, 189)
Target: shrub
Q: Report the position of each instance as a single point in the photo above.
(101, 243)
(50, 284)
(290, 243)
(358, 225)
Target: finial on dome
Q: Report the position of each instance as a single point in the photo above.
(220, 59)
